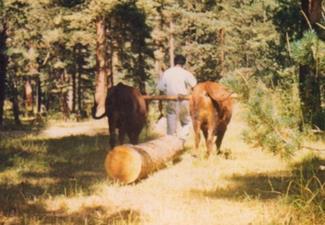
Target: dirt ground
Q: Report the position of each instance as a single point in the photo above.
(246, 188)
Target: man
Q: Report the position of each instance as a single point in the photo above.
(176, 81)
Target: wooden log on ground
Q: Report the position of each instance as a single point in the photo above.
(128, 163)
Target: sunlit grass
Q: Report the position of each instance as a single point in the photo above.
(59, 178)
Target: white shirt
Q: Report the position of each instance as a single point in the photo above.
(176, 81)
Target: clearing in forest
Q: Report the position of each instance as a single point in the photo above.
(67, 184)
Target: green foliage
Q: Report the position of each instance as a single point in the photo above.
(273, 114)
(269, 86)
(273, 120)
(129, 32)
(310, 50)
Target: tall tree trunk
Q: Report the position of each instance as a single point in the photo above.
(171, 43)
(71, 92)
(79, 94)
(222, 53)
(113, 54)
(73, 83)
(14, 101)
(313, 10)
(64, 96)
(309, 81)
(38, 95)
(159, 54)
(28, 97)
(3, 69)
(101, 60)
(142, 73)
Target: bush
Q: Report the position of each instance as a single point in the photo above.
(273, 114)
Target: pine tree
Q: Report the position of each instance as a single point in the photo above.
(3, 60)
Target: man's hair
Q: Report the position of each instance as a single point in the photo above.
(179, 60)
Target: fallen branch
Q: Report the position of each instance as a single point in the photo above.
(313, 148)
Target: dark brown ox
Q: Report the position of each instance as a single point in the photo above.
(211, 109)
(126, 111)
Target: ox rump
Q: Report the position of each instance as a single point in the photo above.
(129, 163)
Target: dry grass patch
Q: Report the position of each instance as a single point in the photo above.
(60, 179)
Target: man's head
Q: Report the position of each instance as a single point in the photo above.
(179, 60)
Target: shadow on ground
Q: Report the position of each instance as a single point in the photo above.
(32, 169)
(306, 181)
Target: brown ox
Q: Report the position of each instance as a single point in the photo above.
(211, 109)
(126, 111)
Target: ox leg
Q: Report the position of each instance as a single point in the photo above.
(220, 134)
(209, 141)
(134, 137)
(112, 135)
(197, 130)
(121, 135)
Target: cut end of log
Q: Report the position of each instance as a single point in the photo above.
(123, 164)
(128, 163)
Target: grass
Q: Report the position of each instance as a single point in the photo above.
(56, 176)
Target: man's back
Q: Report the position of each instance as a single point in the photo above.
(176, 81)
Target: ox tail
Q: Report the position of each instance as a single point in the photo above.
(217, 97)
(94, 110)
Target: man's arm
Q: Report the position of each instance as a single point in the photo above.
(191, 80)
(162, 85)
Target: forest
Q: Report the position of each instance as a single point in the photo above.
(58, 57)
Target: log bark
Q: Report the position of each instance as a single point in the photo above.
(129, 163)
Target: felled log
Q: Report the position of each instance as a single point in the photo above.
(128, 163)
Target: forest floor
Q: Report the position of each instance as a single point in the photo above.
(57, 176)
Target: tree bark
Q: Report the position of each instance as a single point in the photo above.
(73, 83)
(171, 43)
(64, 96)
(113, 61)
(14, 101)
(3, 69)
(79, 93)
(222, 53)
(142, 72)
(101, 60)
(71, 89)
(313, 10)
(28, 97)
(38, 95)
(128, 163)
